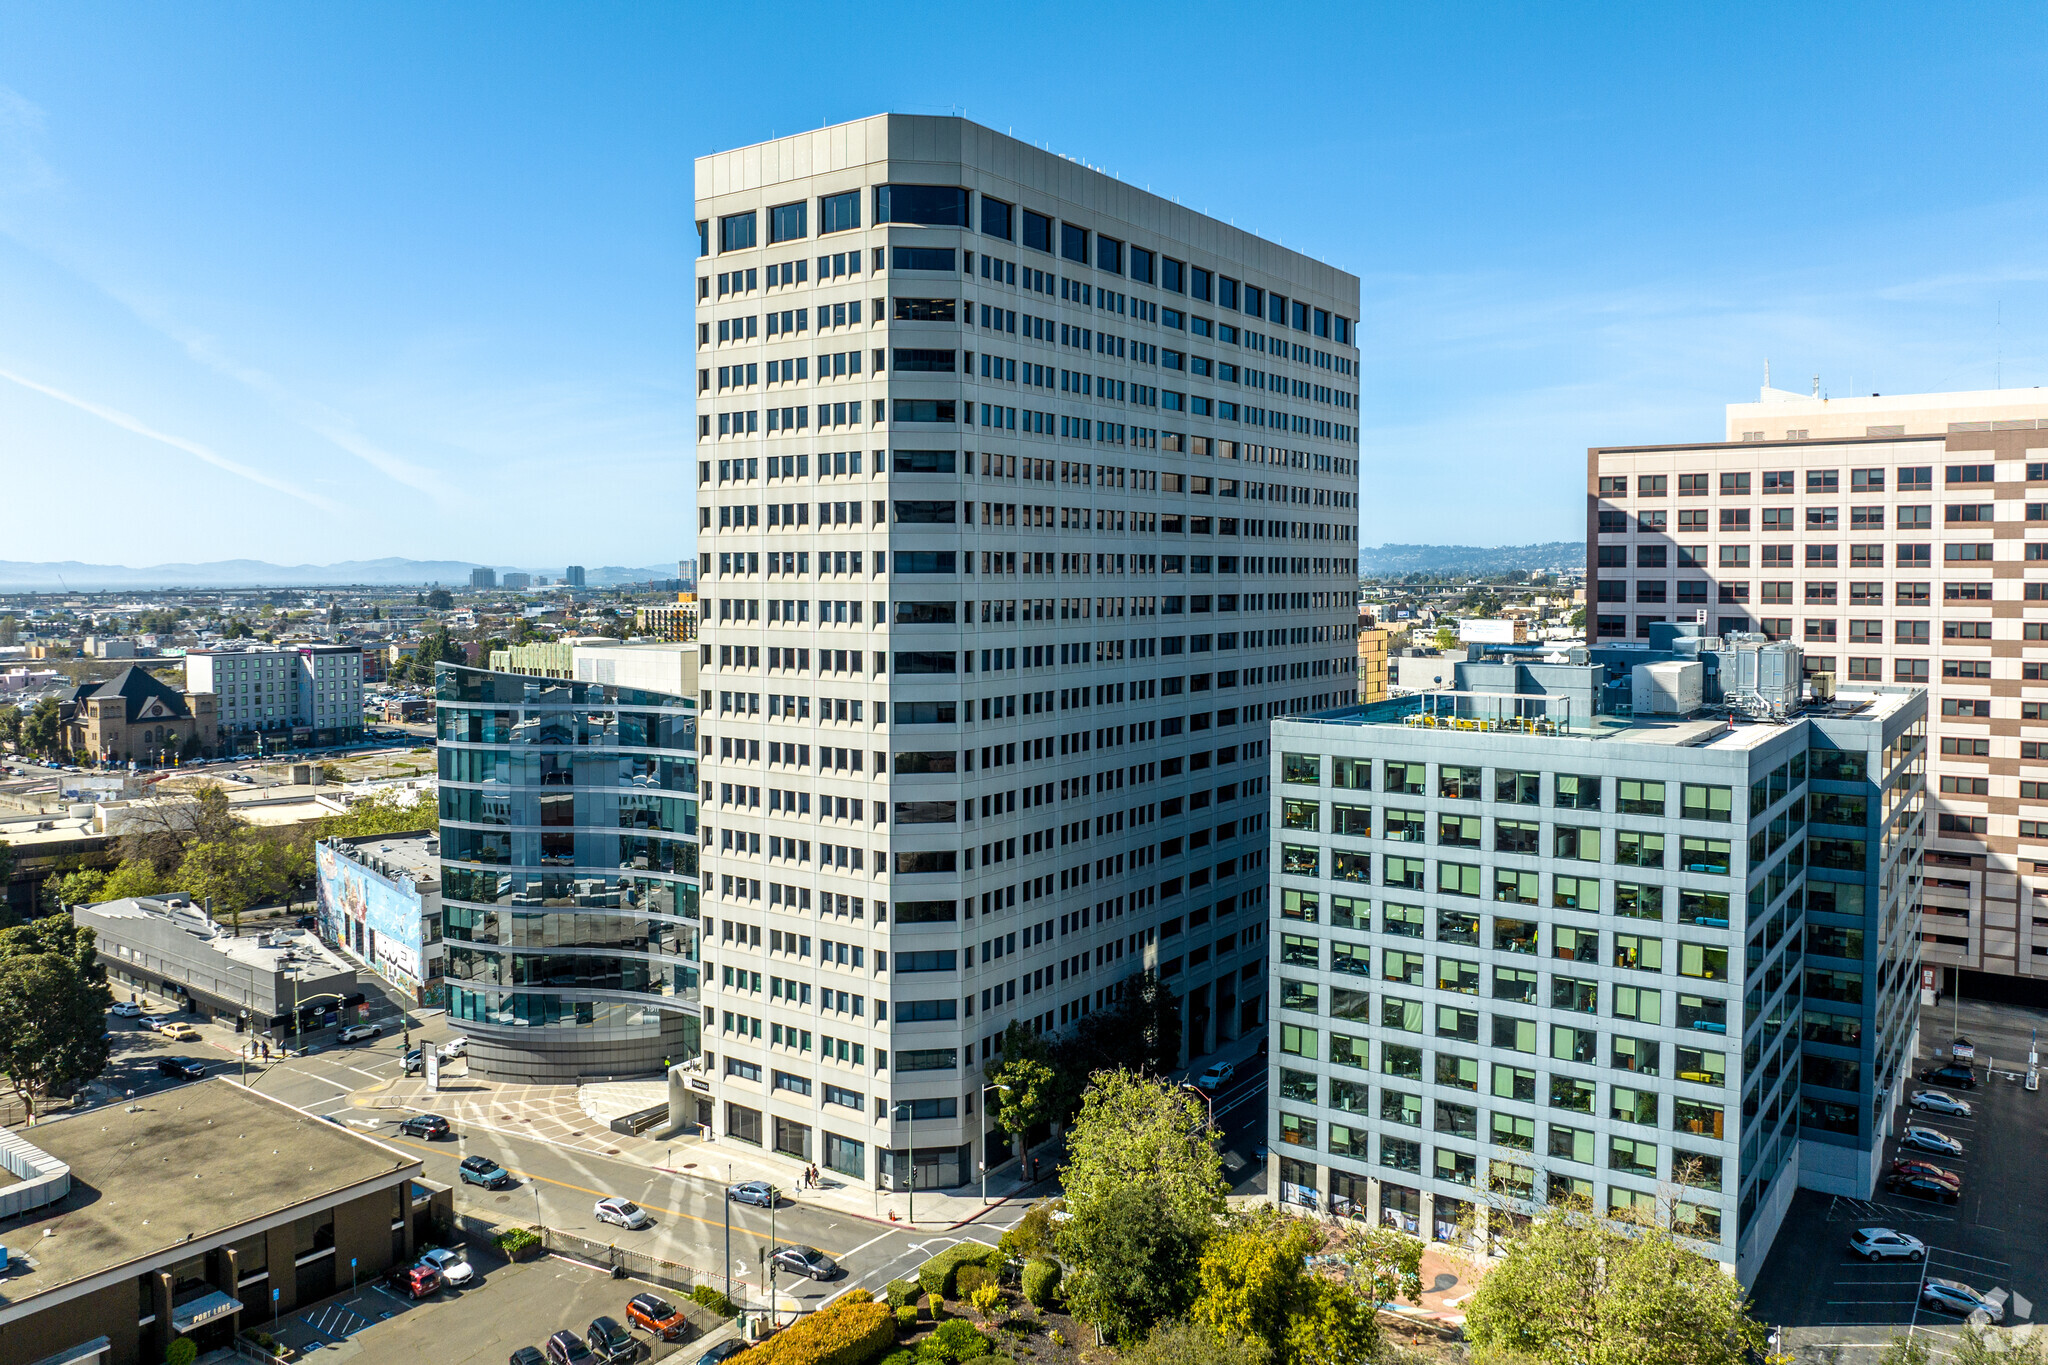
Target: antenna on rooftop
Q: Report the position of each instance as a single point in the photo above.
(1816, 386)
(1767, 372)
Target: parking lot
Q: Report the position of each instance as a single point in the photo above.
(506, 1307)
(1844, 1308)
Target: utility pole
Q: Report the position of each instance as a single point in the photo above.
(728, 1232)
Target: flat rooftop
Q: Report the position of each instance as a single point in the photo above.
(289, 947)
(1533, 714)
(417, 855)
(189, 1163)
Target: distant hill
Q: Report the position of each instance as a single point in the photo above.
(1384, 561)
(74, 576)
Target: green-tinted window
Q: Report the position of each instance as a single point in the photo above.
(1403, 1016)
(1452, 1022)
(1576, 792)
(1571, 1144)
(1396, 965)
(1454, 975)
(1297, 1041)
(1639, 953)
(1408, 779)
(1457, 879)
(1299, 951)
(1519, 888)
(1632, 1106)
(1514, 1083)
(1632, 797)
(1404, 872)
(1638, 902)
(1576, 893)
(1510, 983)
(1352, 959)
(1396, 1107)
(1634, 848)
(1515, 1035)
(1299, 905)
(1301, 995)
(1512, 1130)
(1700, 802)
(1458, 831)
(1574, 1095)
(1704, 962)
(1301, 815)
(1572, 841)
(1353, 774)
(1303, 769)
(1403, 921)
(1704, 855)
(1640, 1003)
(1521, 789)
(1458, 784)
(1459, 1072)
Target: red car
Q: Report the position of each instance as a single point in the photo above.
(1908, 1166)
(658, 1316)
(414, 1281)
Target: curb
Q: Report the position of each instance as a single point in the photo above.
(899, 1224)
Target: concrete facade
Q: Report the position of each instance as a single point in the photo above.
(293, 695)
(1665, 965)
(165, 944)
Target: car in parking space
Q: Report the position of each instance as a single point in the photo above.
(413, 1281)
(758, 1192)
(1958, 1075)
(1940, 1102)
(180, 1068)
(454, 1270)
(723, 1351)
(566, 1348)
(428, 1126)
(609, 1342)
(528, 1355)
(179, 1032)
(623, 1212)
(806, 1261)
(1923, 1187)
(356, 1033)
(1955, 1297)
(658, 1316)
(481, 1170)
(1909, 1166)
(1921, 1139)
(1883, 1244)
(127, 1009)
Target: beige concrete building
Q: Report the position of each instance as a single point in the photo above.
(1898, 539)
(1372, 663)
(136, 716)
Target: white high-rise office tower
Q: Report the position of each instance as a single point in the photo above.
(1025, 499)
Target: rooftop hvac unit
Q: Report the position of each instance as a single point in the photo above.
(1668, 689)
(1760, 677)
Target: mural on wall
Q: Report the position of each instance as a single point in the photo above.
(377, 921)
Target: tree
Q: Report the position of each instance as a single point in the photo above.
(1574, 1289)
(224, 875)
(164, 830)
(1133, 1130)
(1025, 1084)
(440, 599)
(1191, 1343)
(1578, 618)
(53, 1004)
(1385, 1264)
(39, 731)
(134, 877)
(1134, 1258)
(1255, 1284)
(10, 726)
(86, 886)
(1445, 639)
(1033, 1235)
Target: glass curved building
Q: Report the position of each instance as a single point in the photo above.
(569, 865)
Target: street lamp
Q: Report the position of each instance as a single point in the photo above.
(910, 1151)
(1206, 1098)
(992, 1085)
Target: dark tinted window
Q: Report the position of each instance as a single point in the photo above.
(1199, 283)
(1037, 231)
(995, 218)
(1141, 265)
(931, 205)
(1109, 254)
(1074, 243)
(1172, 275)
(922, 258)
(786, 222)
(736, 232)
(838, 212)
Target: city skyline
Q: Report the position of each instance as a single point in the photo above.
(318, 286)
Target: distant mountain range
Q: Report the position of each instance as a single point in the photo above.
(1383, 561)
(73, 576)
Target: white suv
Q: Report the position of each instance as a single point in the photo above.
(1883, 1244)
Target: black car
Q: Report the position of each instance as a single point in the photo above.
(428, 1126)
(528, 1355)
(1922, 1187)
(610, 1342)
(481, 1170)
(566, 1348)
(724, 1350)
(1955, 1074)
(180, 1068)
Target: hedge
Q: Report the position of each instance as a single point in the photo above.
(713, 1299)
(901, 1293)
(1041, 1281)
(940, 1275)
(849, 1332)
(955, 1341)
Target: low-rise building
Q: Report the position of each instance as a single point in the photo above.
(380, 898)
(675, 622)
(193, 1213)
(168, 946)
(136, 717)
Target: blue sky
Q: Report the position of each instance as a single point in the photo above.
(310, 283)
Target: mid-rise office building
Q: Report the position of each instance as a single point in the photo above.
(1026, 500)
(573, 576)
(274, 697)
(568, 861)
(481, 577)
(1526, 948)
(1901, 538)
(380, 898)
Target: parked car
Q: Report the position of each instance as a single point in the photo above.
(153, 1022)
(1909, 1166)
(758, 1192)
(1930, 1140)
(1959, 1076)
(413, 1061)
(610, 1342)
(454, 1270)
(1940, 1102)
(724, 1350)
(481, 1170)
(624, 1212)
(413, 1281)
(1883, 1244)
(356, 1033)
(453, 1048)
(806, 1261)
(127, 1009)
(566, 1348)
(528, 1355)
(428, 1126)
(180, 1068)
(179, 1032)
(1953, 1296)
(658, 1316)
(1923, 1187)
(1216, 1077)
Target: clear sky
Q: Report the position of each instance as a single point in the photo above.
(319, 282)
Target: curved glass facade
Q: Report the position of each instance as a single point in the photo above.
(569, 871)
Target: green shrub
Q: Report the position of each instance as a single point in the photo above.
(712, 1299)
(849, 1332)
(955, 1341)
(183, 1351)
(901, 1293)
(514, 1241)
(906, 1317)
(1041, 1282)
(970, 1278)
(902, 1355)
(940, 1275)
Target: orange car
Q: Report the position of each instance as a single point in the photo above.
(657, 1316)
